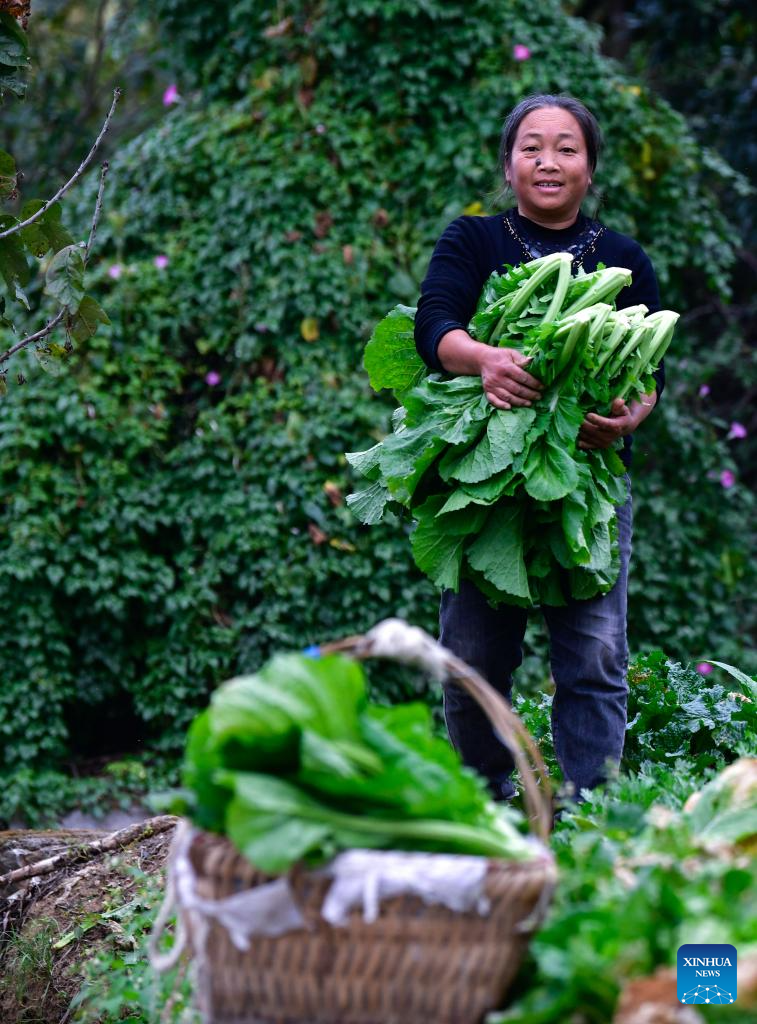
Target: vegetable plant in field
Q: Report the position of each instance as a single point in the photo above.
(506, 498)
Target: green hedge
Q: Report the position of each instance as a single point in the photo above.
(161, 532)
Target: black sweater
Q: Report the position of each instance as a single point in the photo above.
(472, 247)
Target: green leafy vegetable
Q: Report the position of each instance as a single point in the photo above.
(507, 498)
(294, 762)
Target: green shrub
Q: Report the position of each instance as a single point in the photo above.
(172, 507)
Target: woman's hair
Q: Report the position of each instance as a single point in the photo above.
(587, 121)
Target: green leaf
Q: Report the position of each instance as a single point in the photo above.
(438, 543)
(369, 504)
(64, 279)
(86, 319)
(14, 265)
(51, 358)
(14, 46)
(8, 175)
(741, 677)
(567, 418)
(202, 760)
(21, 295)
(274, 823)
(549, 470)
(574, 513)
(13, 56)
(291, 692)
(47, 232)
(497, 553)
(505, 437)
(732, 826)
(366, 463)
(391, 359)
(407, 455)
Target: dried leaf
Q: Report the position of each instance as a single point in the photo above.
(18, 9)
(309, 329)
(281, 28)
(333, 493)
(323, 223)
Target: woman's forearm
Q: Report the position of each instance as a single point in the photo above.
(459, 353)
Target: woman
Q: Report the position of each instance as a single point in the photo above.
(548, 153)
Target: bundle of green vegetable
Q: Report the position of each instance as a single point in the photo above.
(295, 763)
(506, 498)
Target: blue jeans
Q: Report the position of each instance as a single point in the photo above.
(589, 659)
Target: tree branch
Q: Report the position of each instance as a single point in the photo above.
(98, 211)
(75, 177)
(85, 851)
(52, 324)
(48, 329)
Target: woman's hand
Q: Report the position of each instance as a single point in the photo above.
(600, 431)
(505, 380)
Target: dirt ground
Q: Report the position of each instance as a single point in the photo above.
(47, 932)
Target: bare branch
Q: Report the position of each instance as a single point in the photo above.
(98, 210)
(72, 181)
(52, 324)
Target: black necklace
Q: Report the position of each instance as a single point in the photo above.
(533, 248)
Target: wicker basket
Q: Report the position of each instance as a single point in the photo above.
(418, 963)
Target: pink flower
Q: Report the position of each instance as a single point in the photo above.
(737, 432)
(212, 379)
(115, 271)
(161, 261)
(320, 129)
(170, 96)
(727, 478)
(521, 52)
(704, 668)
(704, 391)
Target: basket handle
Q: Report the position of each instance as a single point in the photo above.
(397, 641)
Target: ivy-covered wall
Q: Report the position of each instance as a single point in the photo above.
(172, 505)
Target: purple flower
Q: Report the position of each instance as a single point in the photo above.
(521, 52)
(161, 261)
(704, 391)
(320, 129)
(727, 478)
(737, 432)
(171, 95)
(212, 379)
(704, 668)
(115, 271)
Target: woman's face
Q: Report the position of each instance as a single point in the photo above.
(548, 168)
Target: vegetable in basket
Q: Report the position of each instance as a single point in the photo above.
(296, 763)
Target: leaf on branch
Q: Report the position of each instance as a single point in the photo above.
(47, 232)
(51, 358)
(14, 266)
(14, 49)
(89, 315)
(65, 277)
(8, 175)
(21, 295)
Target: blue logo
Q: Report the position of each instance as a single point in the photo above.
(707, 973)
